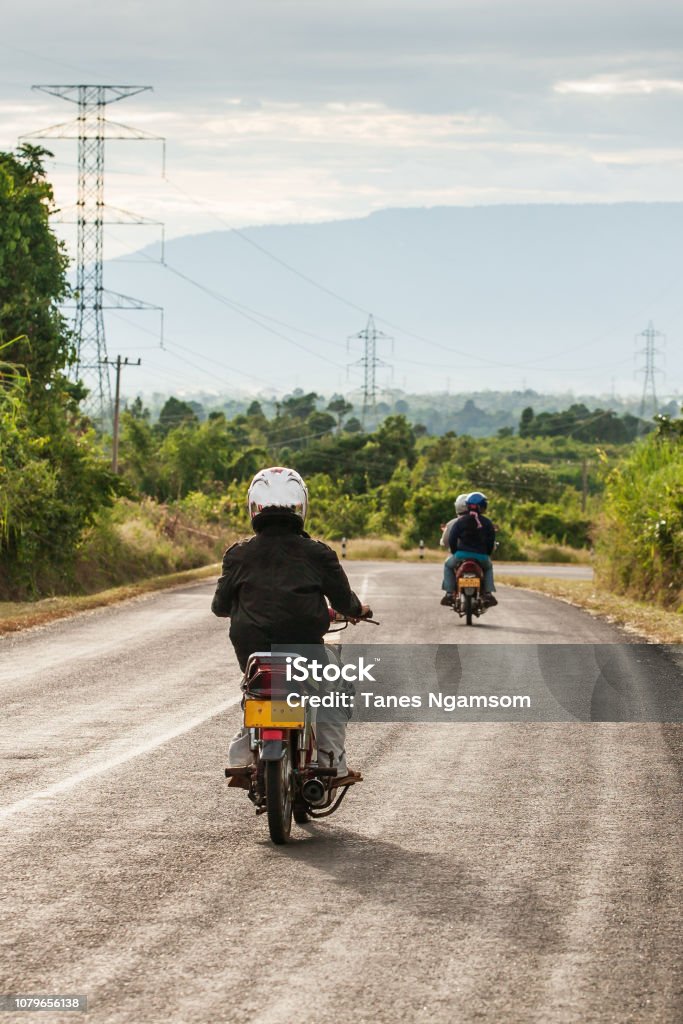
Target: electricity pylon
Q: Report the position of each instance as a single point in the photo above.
(649, 370)
(369, 361)
(91, 128)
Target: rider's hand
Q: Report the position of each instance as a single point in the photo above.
(364, 610)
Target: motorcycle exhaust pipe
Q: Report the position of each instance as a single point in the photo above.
(313, 791)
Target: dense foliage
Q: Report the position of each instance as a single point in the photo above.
(52, 478)
(582, 424)
(393, 482)
(640, 535)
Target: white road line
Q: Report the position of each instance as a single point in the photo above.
(57, 788)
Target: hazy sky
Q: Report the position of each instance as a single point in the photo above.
(301, 110)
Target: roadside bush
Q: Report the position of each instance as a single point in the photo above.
(639, 538)
(553, 522)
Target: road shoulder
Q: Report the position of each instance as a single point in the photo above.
(654, 624)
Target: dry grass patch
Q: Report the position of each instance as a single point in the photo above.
(368, 549)
(655, 624)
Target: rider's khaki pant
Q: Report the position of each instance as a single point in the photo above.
(331, 738)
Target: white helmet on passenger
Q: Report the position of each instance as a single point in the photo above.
(461, 505)
(278, 489)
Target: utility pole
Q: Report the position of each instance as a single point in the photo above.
(650, 369)
(369, 361)
(584, 484)
(91, 128)
(118, 363)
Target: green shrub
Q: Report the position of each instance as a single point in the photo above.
(639, 538)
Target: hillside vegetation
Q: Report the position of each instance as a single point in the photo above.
(565, 482)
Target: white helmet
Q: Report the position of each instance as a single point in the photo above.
(461, 505)
(278, 488)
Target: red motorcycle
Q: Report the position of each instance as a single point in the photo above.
(468, 600)
(285, 779)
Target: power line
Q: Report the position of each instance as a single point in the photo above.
(352, 305)
(241, 311)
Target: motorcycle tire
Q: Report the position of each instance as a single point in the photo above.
(301, 815)
(468, 609)
(279, 799)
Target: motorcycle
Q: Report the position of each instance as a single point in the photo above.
(468, 600)
(285, 779)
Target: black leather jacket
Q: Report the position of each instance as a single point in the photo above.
(273, 588)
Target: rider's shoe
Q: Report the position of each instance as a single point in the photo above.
(238, 778)
(238, 782)
(489, 601)
(447, 599)
(346, 780)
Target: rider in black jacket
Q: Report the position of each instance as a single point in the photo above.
(273, 589)
(274, 586)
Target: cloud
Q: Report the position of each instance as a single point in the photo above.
(605, 85)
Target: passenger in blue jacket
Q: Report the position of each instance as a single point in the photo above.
(472, 536)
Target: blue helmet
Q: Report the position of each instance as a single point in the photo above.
(477, 500)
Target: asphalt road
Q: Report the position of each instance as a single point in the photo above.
(490, 872)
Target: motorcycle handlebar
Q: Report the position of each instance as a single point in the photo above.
(366, 617)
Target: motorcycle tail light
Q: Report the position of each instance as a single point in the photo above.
(266, 679)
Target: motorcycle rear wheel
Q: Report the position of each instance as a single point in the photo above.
(468, 609)
(279, 799)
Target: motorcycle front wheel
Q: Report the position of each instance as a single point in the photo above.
(279, 798)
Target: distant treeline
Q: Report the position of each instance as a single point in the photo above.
(485, 414)
(480, 414)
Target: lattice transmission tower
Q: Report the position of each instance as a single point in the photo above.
(91, 128)
(650, 369)
(369, 361)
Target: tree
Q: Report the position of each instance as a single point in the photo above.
(299, 406)
(32, 278)
(526, 421)
(320, 423)
(174, 413)
(137, 410)
(54, 481)
(341, 408)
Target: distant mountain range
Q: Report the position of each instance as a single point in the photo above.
(504, 297)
